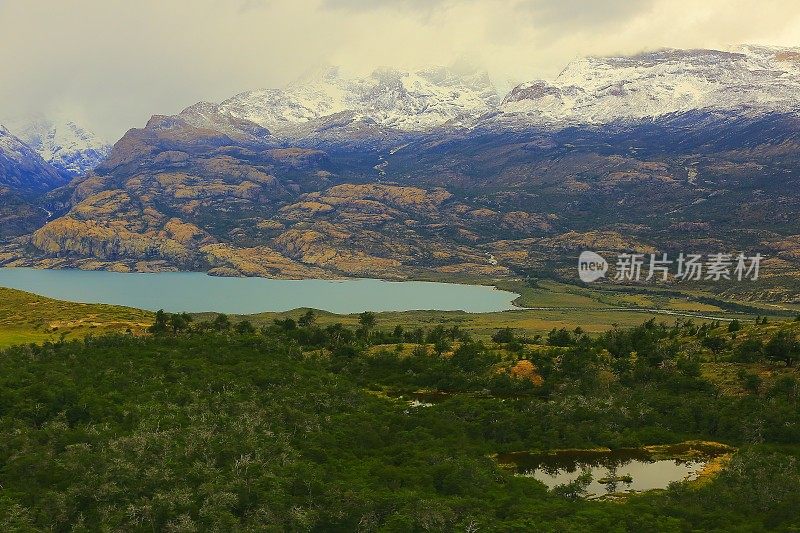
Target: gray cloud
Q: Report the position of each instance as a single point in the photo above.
(373, 5)
(113, 63)
(578, 14)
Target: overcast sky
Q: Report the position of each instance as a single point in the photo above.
(113, 63)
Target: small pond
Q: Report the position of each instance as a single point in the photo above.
(616, 471)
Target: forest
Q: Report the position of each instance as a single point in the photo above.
(219, 425)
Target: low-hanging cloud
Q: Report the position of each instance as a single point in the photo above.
(113, 63)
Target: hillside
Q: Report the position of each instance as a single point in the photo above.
(26, 317)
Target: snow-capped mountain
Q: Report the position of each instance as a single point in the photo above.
(22, 169)
(70, 148)
(331, 107)
(212, 116)
(390, 99)
(747, 80)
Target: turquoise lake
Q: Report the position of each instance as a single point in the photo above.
(197, 292)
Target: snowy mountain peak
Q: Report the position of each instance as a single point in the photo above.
(11, 146)
(22, 170)
(70, 148)
(390, 98)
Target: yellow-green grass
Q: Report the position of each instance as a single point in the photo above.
(26, 317)
(554, 294)
(481, 325)
(550, 293)
(726, 375)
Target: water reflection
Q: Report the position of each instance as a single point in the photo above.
(615, 471)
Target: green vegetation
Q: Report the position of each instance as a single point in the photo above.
(213, 423)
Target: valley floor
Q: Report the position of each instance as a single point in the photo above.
(316, 422)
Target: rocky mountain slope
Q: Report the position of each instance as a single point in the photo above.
(176, 196)
(428, 174)
(24, 175)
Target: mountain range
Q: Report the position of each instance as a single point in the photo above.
(434, 174)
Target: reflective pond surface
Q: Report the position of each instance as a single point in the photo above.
(612, 471)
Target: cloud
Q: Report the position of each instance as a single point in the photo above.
(115, 62)
(414, 6)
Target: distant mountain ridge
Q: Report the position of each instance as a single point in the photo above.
(22, 169)
(747, 81)
(393, 99)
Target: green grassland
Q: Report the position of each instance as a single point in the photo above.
(26, 317)
(549, 293)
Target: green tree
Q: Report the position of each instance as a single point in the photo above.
(749, 351)
(750, 382)
(308, 319)
(715, 343)
(222, 322)
(179, 322)
(783, 347)
(503, 336)
(575, 489)
(245, 328)
(560, 337)
(160, 325)
(473, 357)
(441, 345)
(286, 324)
(367, 320)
